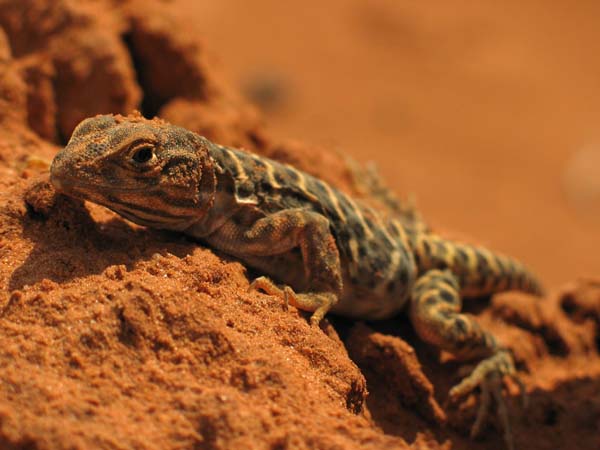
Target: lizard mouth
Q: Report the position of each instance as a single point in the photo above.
(71, 185)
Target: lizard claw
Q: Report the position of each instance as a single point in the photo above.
(288, 294)
(489, 375)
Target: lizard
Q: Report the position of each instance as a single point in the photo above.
(319, 249)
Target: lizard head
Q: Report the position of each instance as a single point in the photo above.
(151, 172)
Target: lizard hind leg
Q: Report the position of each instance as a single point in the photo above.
(368, 182)
(435, 314)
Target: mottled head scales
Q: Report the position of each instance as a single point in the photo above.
(149, 171)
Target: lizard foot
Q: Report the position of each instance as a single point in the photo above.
(316, 302)
(269, 287)
(489, 375)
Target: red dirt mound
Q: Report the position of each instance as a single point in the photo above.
(115, 336)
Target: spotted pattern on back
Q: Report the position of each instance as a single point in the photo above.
(374, 250)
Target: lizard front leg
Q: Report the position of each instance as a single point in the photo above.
(435, 314)
(281, 232)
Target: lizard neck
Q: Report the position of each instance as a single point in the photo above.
(221, 203)
(207, 185)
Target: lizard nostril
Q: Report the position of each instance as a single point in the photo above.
(58, 170)
(55, 170)
(55, 182)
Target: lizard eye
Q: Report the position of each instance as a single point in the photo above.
(143, 154)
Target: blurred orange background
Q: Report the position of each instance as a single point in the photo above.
(488, 112)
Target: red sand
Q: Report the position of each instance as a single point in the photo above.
(114, 336)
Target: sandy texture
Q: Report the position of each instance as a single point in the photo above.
(114, 336)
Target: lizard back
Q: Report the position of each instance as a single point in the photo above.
(377, 264)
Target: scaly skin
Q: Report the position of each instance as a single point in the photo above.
(330, 252)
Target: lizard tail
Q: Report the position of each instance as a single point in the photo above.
(480, 271)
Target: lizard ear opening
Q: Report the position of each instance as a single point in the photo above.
(208, 181)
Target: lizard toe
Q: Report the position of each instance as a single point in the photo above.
(489, 376)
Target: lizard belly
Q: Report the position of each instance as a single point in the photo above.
(377, 278)
(357, 301)
(360, 302)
